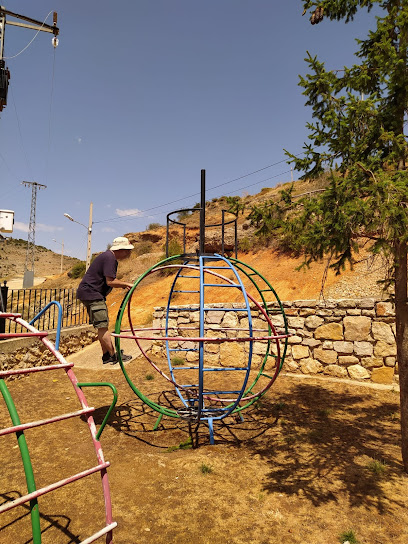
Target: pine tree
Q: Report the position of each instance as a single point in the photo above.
(357, 135)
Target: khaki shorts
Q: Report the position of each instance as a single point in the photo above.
(98, 313)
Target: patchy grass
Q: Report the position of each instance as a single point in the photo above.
(349, 537)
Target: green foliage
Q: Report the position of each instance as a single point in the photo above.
(153, 226)
(149, 377)
(183, 214)
(357, 133)
(205, 469)
(348, 536)
(188, 444)
(245, 244)
(377, 467)
(235, 204)
(177, 361)
(143, 248)
(175, 248)
(78, 270)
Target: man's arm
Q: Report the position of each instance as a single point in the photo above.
(115, 283)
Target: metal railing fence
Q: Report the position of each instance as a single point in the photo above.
(29, 302)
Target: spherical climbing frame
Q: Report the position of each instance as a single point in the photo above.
(202, 393)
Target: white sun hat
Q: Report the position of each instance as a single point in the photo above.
(121, 243)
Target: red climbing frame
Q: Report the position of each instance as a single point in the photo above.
(86, 411)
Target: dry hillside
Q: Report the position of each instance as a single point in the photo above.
(13, 255)
(279, 269)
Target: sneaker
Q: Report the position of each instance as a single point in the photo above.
(125, 358)
(107, 358)
(113, 359)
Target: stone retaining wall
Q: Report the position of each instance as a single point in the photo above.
(352, 338)
(29, 352)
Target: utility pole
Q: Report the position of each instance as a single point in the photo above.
(88, 247)
(28, 280)
(34, 25)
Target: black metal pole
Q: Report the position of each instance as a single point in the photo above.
(3, 305)
(202, 213)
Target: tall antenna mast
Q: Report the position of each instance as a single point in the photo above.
(28, 280)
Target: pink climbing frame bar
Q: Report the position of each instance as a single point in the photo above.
(40, 422)
(86, 409)
(52, 487)
(33, 369)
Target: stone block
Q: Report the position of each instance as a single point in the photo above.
(340, 313)
(357, 372)
(382, 331)
(306, 312)
(305, 303)
(346, 303)
(214, 317)
(310, 366)
(330, 331)
(335, 370)
(324, 313)
(363, 349)
(300, 352)
(346, 360)
(291, 312)
(192, 356)
(381, 349)
(382, 375)
(390, 361)
(372, 362)
(295, 339)
(259, 348)
(384, 309)
(290, 366)
(356, 328)
(366, 303)
(311, 342)
(230, 319)
(325, 355)
(313, 321)
(343, 347)
(296, 322)
(354, 311)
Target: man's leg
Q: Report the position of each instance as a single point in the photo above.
(105, 340)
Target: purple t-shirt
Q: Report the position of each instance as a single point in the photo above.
(93, 285)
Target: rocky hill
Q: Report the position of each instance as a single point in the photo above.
(13, 255)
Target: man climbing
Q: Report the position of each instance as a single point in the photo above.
(98, 282)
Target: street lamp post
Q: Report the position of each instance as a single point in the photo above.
(89, 229)
(62, 252)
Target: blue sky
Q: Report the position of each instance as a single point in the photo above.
(140, 95)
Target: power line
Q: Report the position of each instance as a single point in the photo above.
(49, 122)
(19, 131)
(236, 190)
(138, 213)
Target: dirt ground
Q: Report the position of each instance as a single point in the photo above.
(311, 461)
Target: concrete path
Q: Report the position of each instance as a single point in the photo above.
(91, 356)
